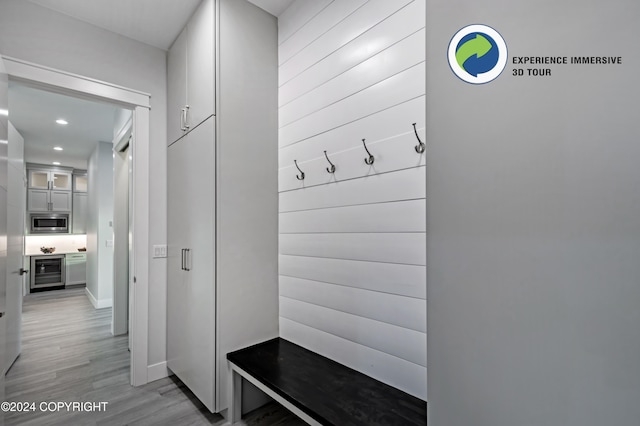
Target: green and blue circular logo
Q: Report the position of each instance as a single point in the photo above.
(477, 54)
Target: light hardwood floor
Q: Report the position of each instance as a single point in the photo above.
(69, 354)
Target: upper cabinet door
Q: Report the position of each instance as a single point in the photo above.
(61, 181)
(80, 183)
(39, 179)
(191, 74)
(177, 88)
(200, 64)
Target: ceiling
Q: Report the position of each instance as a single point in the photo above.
(154, 22)
(34, 112)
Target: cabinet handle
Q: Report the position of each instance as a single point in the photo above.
(182, 114)
(182, 260)
(186, 117)
(187, 260)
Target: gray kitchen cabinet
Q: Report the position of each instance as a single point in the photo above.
(79, 216)
(49, 179)
(42, 200)
(191, 72)
(80, 183)
(75, 268)
(222, 289)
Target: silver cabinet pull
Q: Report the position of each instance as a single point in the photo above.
(183, 115)
(187, 260)
(182, 260)
(186, 117)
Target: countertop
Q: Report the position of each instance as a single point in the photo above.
(39, 253)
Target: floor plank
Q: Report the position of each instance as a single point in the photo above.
(69, 354)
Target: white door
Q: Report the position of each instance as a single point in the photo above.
(4, 135)
(16, 193)
(191, 262)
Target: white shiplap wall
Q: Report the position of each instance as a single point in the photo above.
(352, 244)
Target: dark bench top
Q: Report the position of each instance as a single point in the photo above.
(327, 391)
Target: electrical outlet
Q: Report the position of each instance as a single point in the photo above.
(160, 250)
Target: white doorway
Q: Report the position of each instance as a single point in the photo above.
(138, 102)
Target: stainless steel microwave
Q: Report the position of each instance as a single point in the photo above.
(49, 223)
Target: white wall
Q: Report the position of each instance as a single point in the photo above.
(39, 35)
(352, 244)
(99, 225)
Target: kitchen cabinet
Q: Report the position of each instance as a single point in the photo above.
(79, 216)
(75, 268)
(191, 73)
(222, 290)
(49, 179)
(80, 183)
(42, 200)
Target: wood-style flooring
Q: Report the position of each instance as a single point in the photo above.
(69, 355)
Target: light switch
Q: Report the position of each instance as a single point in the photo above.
(160, 250)
(109, 243)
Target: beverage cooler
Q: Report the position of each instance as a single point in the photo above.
(47, 271)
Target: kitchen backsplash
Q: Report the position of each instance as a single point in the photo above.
(62, 243)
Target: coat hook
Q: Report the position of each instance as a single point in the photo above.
(331, 169)
(369, 160)
(420, 147)
(301, 175)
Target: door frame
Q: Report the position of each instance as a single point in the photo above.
(139, 102)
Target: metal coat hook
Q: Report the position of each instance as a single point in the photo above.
(369, 160)
(421, 146)
(301, 175)
(331, 169)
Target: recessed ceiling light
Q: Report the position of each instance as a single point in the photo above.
(4, 112)
(61, 121)
(58, 148)
(56, 163)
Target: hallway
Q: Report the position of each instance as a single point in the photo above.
(69, 354)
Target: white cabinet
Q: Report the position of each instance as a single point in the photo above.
(48, 179)
(49, 190)
(79, 216)
(222, 290)
(190, 70)
(191, 262)
(80, 183)
(42, 200)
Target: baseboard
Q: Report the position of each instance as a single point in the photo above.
(98, 304)
(157, 371)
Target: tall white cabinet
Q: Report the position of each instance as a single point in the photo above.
(222, 291)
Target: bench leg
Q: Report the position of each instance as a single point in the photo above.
(235, 393)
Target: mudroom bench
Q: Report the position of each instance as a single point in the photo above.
(318, 390)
